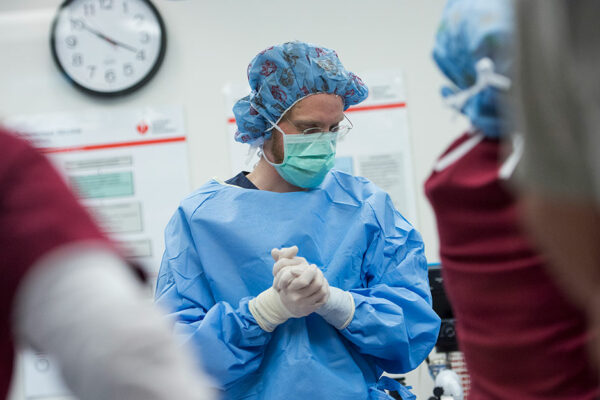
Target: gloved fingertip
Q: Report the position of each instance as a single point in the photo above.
(275, 254)
(289, 252)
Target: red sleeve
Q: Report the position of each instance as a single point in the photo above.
(38, 213)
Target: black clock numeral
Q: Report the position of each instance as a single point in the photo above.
(92, 69)
(110, 76)
(89, 10)
(139, 18)
(71, 41)
(76, 24)
(128, 69)
(106, 4)
(144, 37)
(125, 8)
(141, 55)
(77, 60)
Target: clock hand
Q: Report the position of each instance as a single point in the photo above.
(125, 46)
(106, 38)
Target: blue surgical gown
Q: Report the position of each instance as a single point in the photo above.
(218, 258)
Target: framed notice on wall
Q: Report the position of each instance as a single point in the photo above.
(130, 169)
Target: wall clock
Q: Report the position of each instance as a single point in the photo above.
(108, 47)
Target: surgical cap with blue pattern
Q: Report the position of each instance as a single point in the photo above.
(469, 31)
(282, 75)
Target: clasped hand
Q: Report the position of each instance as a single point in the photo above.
(301, 286)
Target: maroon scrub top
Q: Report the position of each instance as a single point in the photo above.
(38, 213)
(520, 337)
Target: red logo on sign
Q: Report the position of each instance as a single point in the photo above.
(142, 128)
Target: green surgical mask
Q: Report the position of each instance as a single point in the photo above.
(307, 158)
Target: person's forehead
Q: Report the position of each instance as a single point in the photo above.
(319, 106)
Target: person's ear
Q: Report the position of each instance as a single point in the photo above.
(268, 145)
(267, 148)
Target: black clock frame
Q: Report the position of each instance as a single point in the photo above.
(122, 92)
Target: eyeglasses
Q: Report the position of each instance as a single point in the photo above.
(340, 129)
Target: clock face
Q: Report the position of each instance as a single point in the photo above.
(108, 47)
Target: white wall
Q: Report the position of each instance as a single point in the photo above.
(211, 42)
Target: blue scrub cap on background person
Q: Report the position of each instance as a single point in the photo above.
(282, 75)
(469, 31)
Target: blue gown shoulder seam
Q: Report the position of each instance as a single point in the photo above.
(197, 206)
(361, 181)
(375, 216)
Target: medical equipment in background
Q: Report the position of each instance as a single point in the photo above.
(446, 364)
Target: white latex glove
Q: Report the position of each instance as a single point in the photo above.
(284, 252)
(267, 308)
(302, 294)
(286, 257)
(301, 286)
(300, 289)
(339, 309)
(339, 306)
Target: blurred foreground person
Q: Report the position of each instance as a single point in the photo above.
(559, 95)
(520, 337)
(65, 291)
